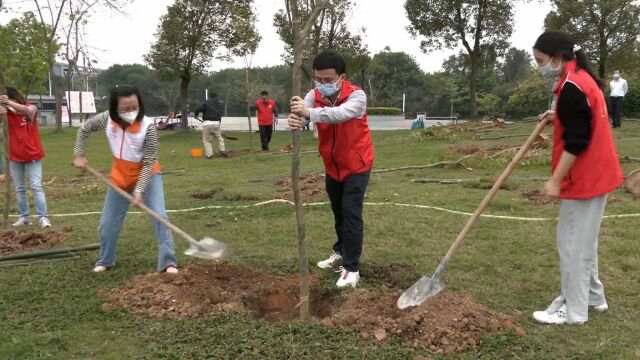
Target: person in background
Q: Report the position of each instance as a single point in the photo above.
(211, 111)
(25, 155)
(339, 111)
(585, 168)
(619, 89)
(133, 140)
(267, 117)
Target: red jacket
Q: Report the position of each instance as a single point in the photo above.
(596, 171)
(265, 112)
(24, 138)
(346, 148)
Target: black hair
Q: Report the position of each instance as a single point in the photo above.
(15, 95)
(120, 92)
(560, 44)
(264, 93)
(330, 60)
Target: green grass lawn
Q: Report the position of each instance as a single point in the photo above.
(52, 311)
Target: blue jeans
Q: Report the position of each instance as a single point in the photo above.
(34, 169)
(115, 209)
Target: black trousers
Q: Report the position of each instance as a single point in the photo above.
(616, 104)
(265, 135)
(347, 199)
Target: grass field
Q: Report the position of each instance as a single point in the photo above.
(52, 311)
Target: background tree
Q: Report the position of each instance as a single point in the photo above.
(480, 26)
(27, 67)
(603, 28)
(188, 37)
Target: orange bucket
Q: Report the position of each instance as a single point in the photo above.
(196, 153)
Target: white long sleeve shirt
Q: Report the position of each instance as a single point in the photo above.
(619, 88)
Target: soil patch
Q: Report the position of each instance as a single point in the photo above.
(535, 196)
(231, 154)
(17, 241)
(450, 322)
(478, 150)
(207, 194)
(311, 185)
(199, 291)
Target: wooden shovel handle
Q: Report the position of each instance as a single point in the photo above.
(487, 199)
(141, 205)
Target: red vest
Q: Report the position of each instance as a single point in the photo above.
(596, 171)
(265, 112)
(24, 138)
(346, 148)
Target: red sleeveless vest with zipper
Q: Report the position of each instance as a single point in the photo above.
(596, 171)
(346, 148)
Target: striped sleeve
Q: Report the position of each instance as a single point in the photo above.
(96, 123)
(151, 148)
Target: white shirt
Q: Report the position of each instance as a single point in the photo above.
(619, 87)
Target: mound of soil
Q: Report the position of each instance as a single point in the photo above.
(444, 324)
(14, 241)
(199, 291)
(219, 195)
(535, 196)
(449, 322)
(310, 185)
(394, 275)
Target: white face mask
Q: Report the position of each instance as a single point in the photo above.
(616, 76)
(129, 117)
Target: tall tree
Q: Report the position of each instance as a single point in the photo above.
(26, 69)
(480, 26)
(5, 156)
(188, 37)
(392, 74)
(300, 29)
(516, 66)
(602, 28)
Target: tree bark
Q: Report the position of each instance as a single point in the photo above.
(249, 109)
(184, 99)
(473, 82)
(5, 159)
(58, 95)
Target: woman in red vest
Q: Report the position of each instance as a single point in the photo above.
(585, 168)
(25, 155)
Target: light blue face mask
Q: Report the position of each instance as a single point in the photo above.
(327, 89)
(548, 71)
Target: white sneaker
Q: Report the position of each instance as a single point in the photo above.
(171, 270)
(100, 268)
(22, 221)
(557, 318)
(601, 308)
(332, 262)
(348, 278)
(44, 223)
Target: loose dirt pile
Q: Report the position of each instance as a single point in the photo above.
(536, 196)
(207, 194)
(450, 322)
(311, 185)
(444, 324)
(199, 291)
(219, 194)
(14, 241)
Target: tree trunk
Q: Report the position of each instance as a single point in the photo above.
(184, 99)
(249, 110)
(5, 160)
(68, 82)
(58, 96)
(473, 101)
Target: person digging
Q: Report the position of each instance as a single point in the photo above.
(339, 111)
(135, 168)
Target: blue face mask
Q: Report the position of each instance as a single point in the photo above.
(327, 89)
(548, 71)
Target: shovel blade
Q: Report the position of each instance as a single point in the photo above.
(422, 290)
(209, 249)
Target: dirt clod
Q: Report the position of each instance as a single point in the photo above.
(207, 194)
(14, 241)
(311, 185)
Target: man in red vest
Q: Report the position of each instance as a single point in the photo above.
(339, 111)
(267, 111)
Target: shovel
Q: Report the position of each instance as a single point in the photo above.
(428, 287)
(207, 248)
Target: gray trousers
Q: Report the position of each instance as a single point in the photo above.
(577, 241)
